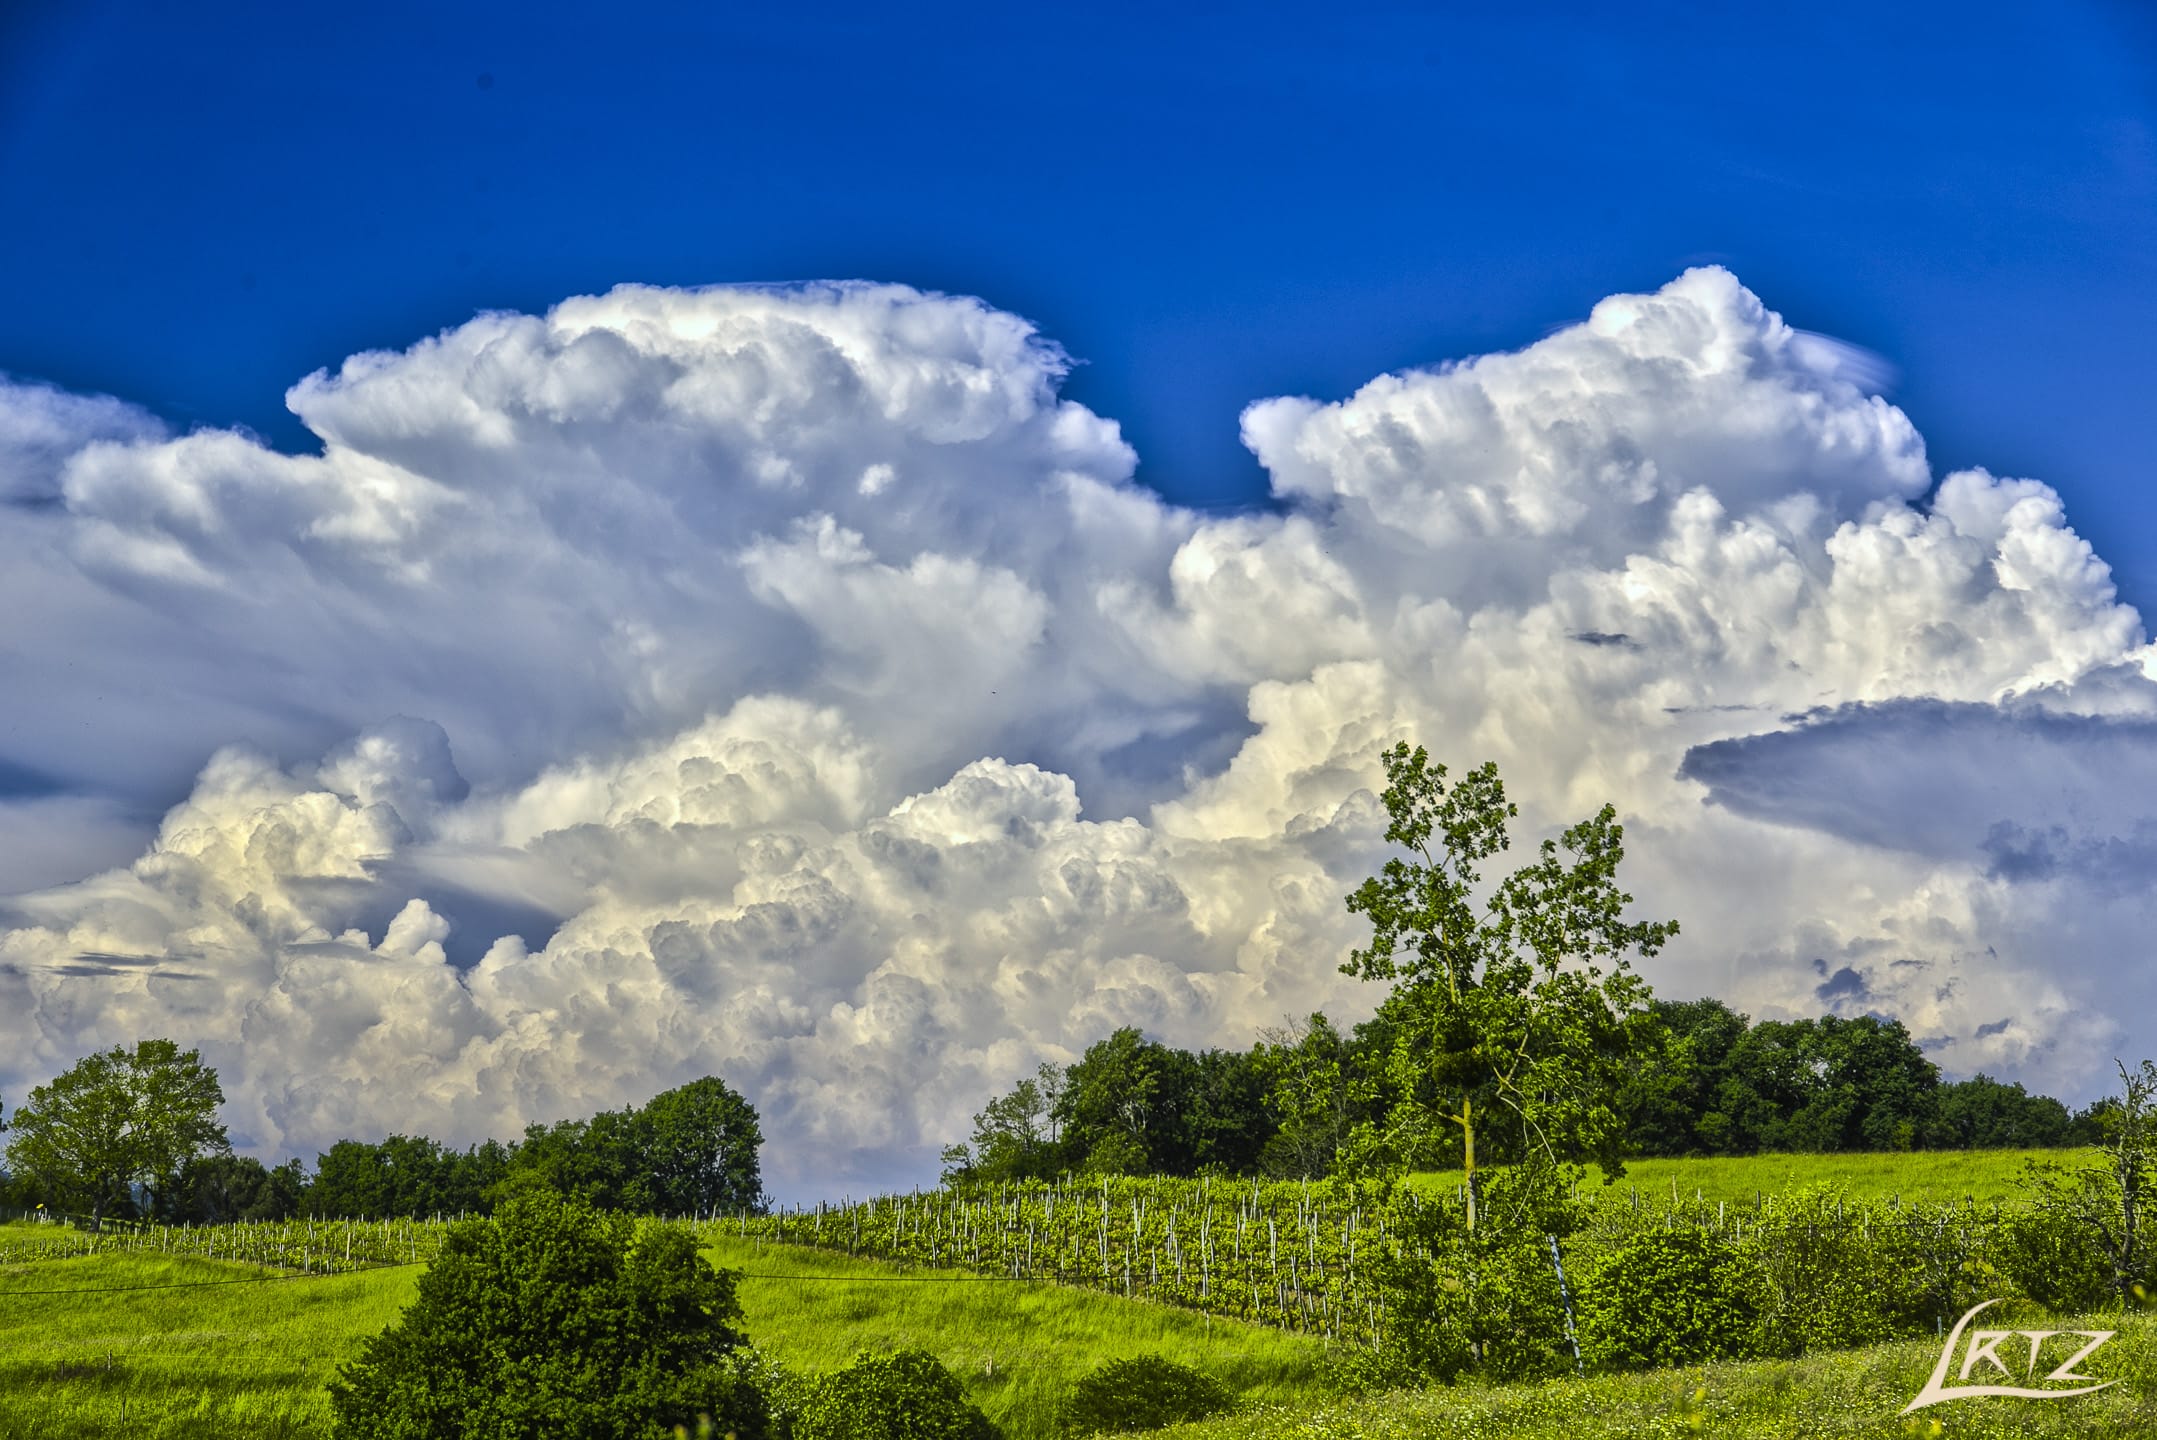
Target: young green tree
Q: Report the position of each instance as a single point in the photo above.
(1515, 1005)
(116, 1119)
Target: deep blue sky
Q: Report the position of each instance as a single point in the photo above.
(1207, 204)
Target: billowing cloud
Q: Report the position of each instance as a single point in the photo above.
(787, 683)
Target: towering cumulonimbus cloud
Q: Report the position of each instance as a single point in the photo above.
(786, 683)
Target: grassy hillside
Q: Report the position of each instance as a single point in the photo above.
(214, 1362)
(1931, 1176)
(249, 1359)
(1850, 1395)
(234, 1359)
(1017, 1347)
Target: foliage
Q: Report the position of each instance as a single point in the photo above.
(1980, 1113)
(1015, 1135)
(553, 1318)
(1129, 1106)
(118, 1118)
(1309, 1071)
(1829, 1084)
(2109, 1203)
(1721, 1085)
(219, 1189)
(404, 1175)
(1308, 1100)
(1672, 1102)
(1515, 1008)
(904, 1395)
(1669, 1297)
(1480, 1296)
(697, 1151)
(688, 1151)
(1830, 1278)
(1724, 1086)
(2047, 1250)
(1144, 1392)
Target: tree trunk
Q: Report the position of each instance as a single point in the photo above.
(1466, 1119)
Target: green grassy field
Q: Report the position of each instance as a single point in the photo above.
(1848, 1395)
(251, 1359)
(1018, 1348)
(213, 1362)
(1929, 1176)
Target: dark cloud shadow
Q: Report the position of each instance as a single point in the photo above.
(2030, 793)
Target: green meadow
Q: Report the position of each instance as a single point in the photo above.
(1018, 1347)
(249, 1357)
(1922, 1176)
(1846, 1395)
(142, 1345)
(210, 1361)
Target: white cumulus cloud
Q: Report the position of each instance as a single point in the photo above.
(786, 683)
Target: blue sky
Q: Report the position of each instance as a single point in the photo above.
(579, 690)
(1204, 203)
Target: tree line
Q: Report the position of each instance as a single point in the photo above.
(132, 1133)
(1708, 1081)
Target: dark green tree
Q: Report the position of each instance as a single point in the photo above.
(221, 1188)
(1118, 1110)
(1671, 1102)
(597, 1159)
(697, 1151)
(1981, 1113)
(1308, 1073)
(1227, 1121)
(1826, 1086)
(408, 1175)
(1873, 1088)
(553, 1318)
(116, 1119)
(1516, 1011)
(1768, 1077)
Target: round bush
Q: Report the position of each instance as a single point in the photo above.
(553, 1319)
(1670, 1297)
(1143, 1393)
(906, 1395)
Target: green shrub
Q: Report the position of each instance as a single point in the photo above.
(1833, 1276)
(1144, 1392)
(1668, 1297)
(2051, 1253)
(1485, 1299)
(906, 1395)
(553, 1319)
